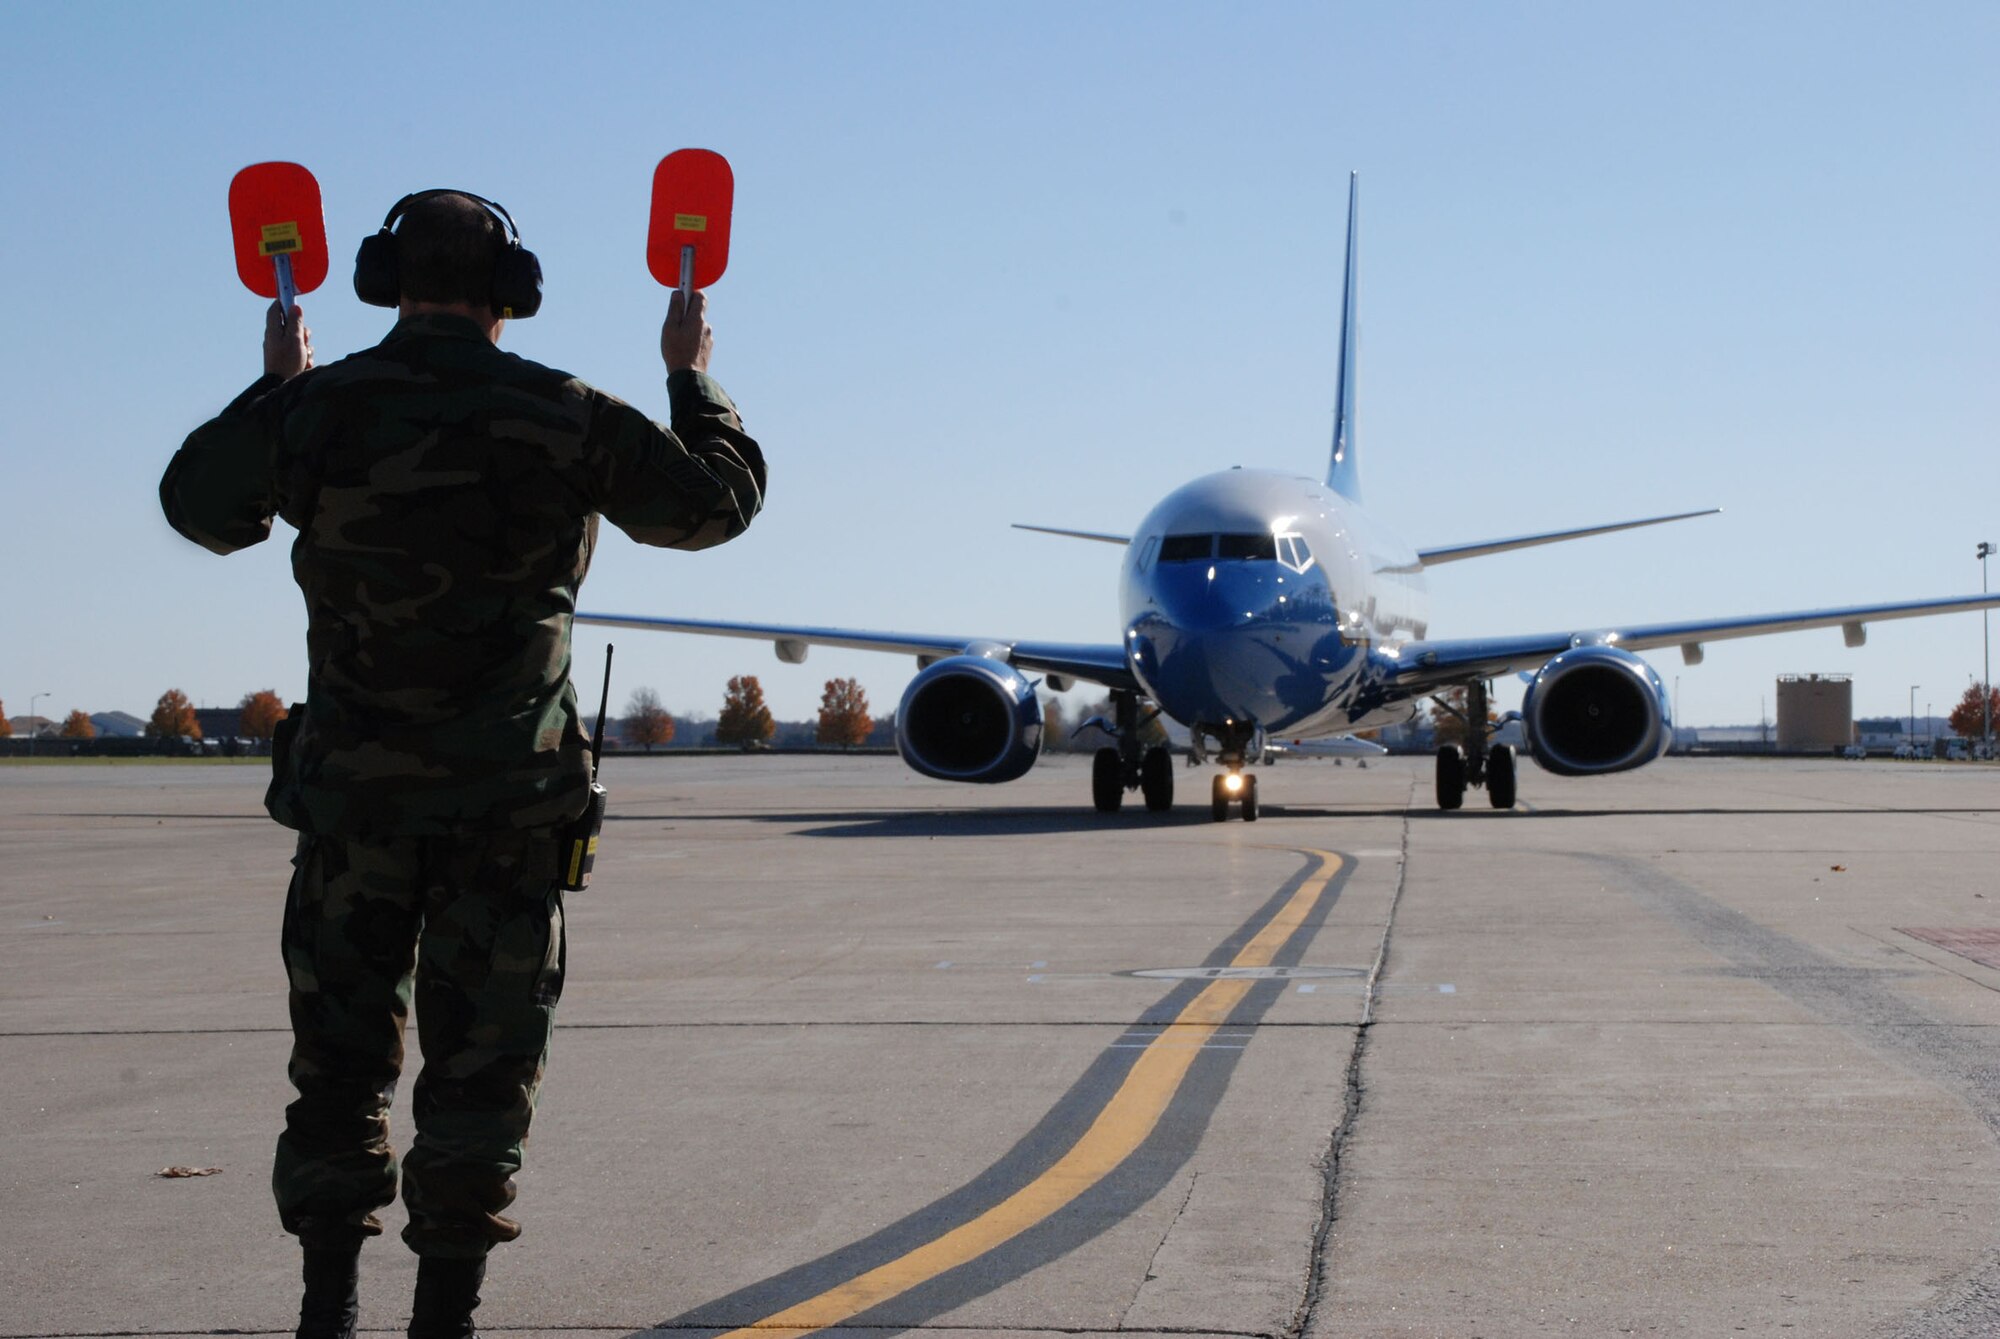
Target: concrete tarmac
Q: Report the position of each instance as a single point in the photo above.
(1706, 1049)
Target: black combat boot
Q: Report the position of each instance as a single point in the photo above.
(331, 1306)
(447, 1295)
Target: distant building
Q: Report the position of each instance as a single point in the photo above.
(28, 727)
(117, 725)
(219, 722)
(1815, 712)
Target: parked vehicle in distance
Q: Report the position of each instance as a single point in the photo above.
(1854, 751)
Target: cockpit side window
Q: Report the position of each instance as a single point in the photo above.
(1246, 547)
(1147, 554)
(1186, 548)
(1294, 553)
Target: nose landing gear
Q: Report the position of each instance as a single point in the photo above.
(1233, 787)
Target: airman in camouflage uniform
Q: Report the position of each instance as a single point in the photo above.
(446, 497)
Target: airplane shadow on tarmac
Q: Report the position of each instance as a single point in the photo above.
(1037, 822)
(1050, 820)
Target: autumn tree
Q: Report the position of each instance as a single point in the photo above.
(646, 721)
(262, 710)
(77, 725)
(6, 726)
(1969, 717)
(173, 717)
(1448, 717)
(843, 714)
(745, 720)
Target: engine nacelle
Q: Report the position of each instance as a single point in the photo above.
(970, 718)
(1596, 709)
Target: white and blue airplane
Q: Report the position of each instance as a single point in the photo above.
(1259, 605)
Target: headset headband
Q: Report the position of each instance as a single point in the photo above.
(401, 206)
(517, 275)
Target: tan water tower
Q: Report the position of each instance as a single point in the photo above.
(1815, 712)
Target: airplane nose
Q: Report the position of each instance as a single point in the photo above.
(1193, 657)
(1205, 597)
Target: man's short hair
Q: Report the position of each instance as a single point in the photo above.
(446, 248)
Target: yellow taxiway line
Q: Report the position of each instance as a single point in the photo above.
(1114, 1136)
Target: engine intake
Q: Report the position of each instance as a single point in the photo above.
(970, 718)
(1596, 709)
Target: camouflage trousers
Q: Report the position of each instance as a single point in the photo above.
(469, 928)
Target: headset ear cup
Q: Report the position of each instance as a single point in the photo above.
(376, 280)
(517, 284)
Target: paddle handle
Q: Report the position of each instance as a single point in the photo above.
(687, 270)
(288, 290)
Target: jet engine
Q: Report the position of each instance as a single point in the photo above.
(970, 718)
(1596, 709)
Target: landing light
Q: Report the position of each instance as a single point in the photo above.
(1233, 782)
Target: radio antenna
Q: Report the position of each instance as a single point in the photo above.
(603, 702)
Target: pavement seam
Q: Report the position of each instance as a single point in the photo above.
(1335, 1155)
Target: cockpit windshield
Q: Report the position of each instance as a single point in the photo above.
(1187, 548)
(1247, 547)
(1289, 549)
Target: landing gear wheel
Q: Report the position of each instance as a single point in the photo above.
(1218, 799)
(1249, 798)
(1107, 781)
(1450, 777)
(1156, 780)
(1500, 776)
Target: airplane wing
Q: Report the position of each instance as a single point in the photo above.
(1457, 552)
(1095, 664)
(1427, 663)
(1097, 535)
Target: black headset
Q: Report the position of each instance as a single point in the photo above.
(517, 275)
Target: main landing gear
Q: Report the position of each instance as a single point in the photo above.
(1130, 765)
(1478, 764)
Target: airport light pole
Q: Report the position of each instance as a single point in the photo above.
(1913, 716)
(1985, 655)
(34, 734)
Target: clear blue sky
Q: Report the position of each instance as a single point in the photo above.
(1044, 262)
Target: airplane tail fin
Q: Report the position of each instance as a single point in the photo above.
(1341, 473)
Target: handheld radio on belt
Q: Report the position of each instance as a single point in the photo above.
(578, 837)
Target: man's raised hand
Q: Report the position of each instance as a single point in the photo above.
(288, 348)
(685, 339)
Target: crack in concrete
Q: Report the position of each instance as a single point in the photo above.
(1335, 1156)
(1154, 1259)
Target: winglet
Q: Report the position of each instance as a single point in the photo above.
(1341, 474)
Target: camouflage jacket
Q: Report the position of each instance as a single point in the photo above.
(446, 496)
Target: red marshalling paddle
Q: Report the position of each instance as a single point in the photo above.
(279, 230)
(687, 240)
